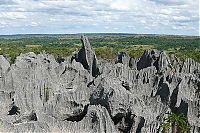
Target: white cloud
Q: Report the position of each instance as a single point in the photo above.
(116, 28)
(143, 21)
(107, 27)
(181, 18)
(12, 15)
(34, 24)
(120, 5)
(122, 14)
(181, 27)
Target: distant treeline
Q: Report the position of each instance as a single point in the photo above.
(106, 46)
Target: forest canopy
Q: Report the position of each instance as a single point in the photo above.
(105, 45)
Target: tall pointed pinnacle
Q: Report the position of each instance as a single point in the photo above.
(87, 57)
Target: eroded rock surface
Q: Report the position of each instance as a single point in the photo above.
(82, 95)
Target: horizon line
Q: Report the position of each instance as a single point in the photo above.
(97, 33)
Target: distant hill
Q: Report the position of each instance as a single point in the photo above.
(18, 36)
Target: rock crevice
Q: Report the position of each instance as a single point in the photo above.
(39, 94)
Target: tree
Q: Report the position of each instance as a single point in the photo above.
(178, 123)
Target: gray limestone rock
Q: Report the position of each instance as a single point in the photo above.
(83, 95)
(87, 57)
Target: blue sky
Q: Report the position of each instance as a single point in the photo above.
(110, 16)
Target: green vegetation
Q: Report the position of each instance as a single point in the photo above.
(106, 52)
(189, 54)
(160, 42)
(46, 94)
(13, 52)
(105, 45)
(178, 123)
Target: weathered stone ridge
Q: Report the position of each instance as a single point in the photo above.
(84, 95)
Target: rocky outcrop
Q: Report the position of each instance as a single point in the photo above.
(87, 57)
(80, 94)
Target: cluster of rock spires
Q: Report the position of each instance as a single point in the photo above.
(82, 95)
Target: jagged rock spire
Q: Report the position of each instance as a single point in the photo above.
(87, 57)
(123, 58)
(64, 97)
(153, 58)
(147, 59)
(4, 65)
